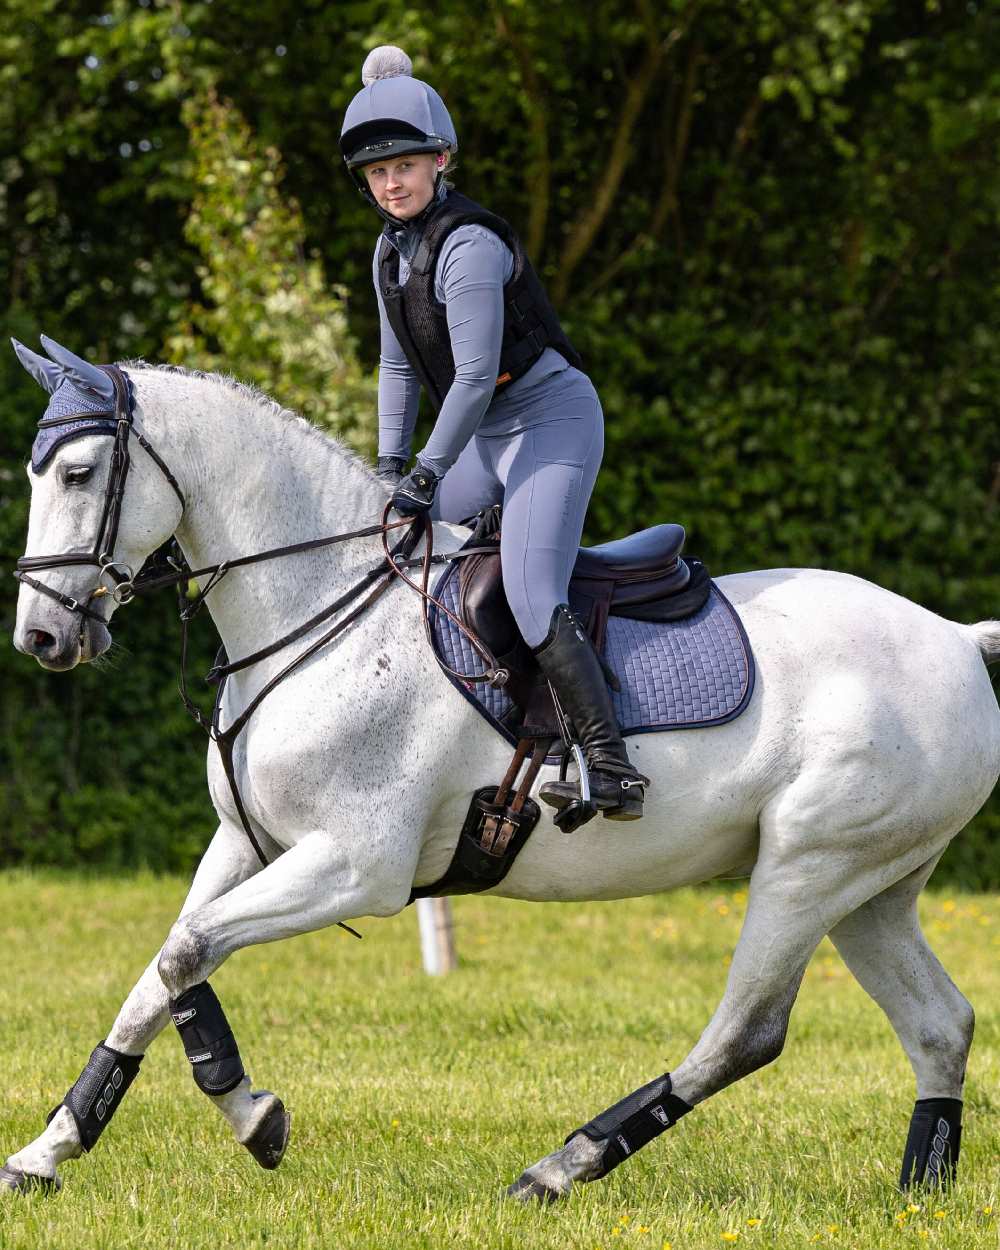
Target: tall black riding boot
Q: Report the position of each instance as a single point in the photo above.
(569, 661)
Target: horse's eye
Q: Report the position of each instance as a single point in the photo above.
(77, 474)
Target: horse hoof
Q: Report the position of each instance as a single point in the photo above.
(527, 1189)
(270, 1138)
(23, 1182)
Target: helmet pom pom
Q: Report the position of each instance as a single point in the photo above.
(387, 61)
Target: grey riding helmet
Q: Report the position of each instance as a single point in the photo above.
(394, 114)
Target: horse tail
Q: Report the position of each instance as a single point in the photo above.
(987, 637)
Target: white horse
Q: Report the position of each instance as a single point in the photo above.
(872, 738)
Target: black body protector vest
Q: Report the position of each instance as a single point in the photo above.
(419, 319)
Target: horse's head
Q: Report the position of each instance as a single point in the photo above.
(86, 532)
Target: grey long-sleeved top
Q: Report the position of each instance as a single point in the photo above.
(472, 267)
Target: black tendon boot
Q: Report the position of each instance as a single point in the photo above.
(569, 661)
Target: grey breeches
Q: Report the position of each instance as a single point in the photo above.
(543, 476)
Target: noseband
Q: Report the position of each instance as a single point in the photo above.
(101, 553)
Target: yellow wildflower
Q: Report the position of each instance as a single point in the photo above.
(987, 1210)
(833, 1228)
(730, 1236)
(922, 1232)
(643, 1228)
(624, 1219)
(753, 1222)
(913, 1208)
(939, 1215)
(616, 1232)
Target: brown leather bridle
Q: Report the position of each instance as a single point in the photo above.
(101, 553)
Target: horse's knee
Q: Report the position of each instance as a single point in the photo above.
(182, 959)
(942, 1047)
(768, 1040)
(759, 1042)
(952, 1031)
(727, 1052)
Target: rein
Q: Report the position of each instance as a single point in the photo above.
(377, 581)
(493, 675)
(127, 585)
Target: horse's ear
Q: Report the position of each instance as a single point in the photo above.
(80, 371)
(45, 373)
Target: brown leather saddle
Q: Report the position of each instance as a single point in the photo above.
(642, 577)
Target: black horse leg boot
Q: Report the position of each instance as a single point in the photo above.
(569, 661)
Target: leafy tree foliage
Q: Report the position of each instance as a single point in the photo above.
(270, 307)
(770, 226)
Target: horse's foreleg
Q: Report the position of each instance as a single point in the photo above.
(309, 887)
(883, 946)
(84, 1113)
(257, 1117)
(747, 1031)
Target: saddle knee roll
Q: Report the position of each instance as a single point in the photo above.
(98, 1091)
(635, 1121)
(207, 1039)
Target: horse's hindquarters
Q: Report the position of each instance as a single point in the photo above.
(872, 737)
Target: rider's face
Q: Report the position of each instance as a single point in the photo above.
(404, 185)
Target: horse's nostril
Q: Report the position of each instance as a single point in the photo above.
(39, 640)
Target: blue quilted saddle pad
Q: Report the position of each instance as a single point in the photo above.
(686, 674)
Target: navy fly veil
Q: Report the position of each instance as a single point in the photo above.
(68, 399)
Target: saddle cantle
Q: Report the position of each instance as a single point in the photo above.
(642, 577)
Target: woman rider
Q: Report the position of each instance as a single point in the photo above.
(464, 315)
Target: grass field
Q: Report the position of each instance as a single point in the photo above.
(415, 1101)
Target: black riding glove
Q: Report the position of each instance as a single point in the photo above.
(415, 493)
(390, 469)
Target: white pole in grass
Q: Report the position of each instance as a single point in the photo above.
(437, 936)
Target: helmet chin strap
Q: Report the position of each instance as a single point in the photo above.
(396, 222)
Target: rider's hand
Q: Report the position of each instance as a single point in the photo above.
(389, 469)
(415, 493)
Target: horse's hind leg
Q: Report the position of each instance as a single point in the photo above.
(81, 1117)
(883, 946)
(747, 1031)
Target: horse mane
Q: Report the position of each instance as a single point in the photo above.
(264, 404)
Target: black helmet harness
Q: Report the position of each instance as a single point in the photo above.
(356, 172)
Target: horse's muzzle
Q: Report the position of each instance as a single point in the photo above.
(62, 650)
